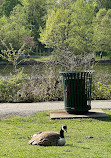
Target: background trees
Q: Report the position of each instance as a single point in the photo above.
(81, 26)
(13, 30)
(102, 31)
(7, 6)
(22, 22)
(103, 4)
(70, 26)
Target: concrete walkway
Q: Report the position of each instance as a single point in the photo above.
(24, 109)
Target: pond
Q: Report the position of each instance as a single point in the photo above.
(102, 71)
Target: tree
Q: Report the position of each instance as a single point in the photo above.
(12, 55)
(103, 4)
(7, 6)
(12, 31)
(33, 12)
(70, 26)
(102, 31)
(23, 19)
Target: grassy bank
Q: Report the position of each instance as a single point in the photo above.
(86, 138)
(43, 58)
(97, 58)
(46, 59)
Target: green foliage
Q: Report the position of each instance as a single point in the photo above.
(59, 24)
(102, 31)
(55, 33)
(7, 6)
(34, 11)
(103, 4)
(65, 25)
(13, 31)
(9, 87)
(84, 138)
(12, 55)
(70, 26)
(23, 22)
(101, 91)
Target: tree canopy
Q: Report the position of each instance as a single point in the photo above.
(23, 21)
(70, 26)
(81, 26)
(7, 6)
(102, 31)
(104, 4)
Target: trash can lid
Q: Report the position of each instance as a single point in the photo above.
(76, 72)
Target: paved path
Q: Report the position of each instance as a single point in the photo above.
(24, 109)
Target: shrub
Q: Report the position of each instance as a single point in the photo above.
(9, 87)
(22, 88)
(101, 91)
(46, 87)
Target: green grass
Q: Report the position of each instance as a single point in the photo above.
(103, 58)
(50, 58)
(43, 58)
(15, 133)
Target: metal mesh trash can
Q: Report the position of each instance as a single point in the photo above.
(77, 91)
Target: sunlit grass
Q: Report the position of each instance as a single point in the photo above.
(103, 58)
(86, 138)
(43, 58)
(50, 58)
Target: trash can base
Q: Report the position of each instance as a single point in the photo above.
(78, 111)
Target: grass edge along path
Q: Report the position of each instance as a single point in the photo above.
(86, 138)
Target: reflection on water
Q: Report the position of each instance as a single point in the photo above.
(5, 70)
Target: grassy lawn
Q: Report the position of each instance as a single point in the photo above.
(86, 138)
(43, 58)
(50, 58)
(103, 58)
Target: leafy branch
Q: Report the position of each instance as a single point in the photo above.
(12, 55)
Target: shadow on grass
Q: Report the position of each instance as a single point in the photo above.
(107, 119)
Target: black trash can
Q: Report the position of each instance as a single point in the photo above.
(77, 91)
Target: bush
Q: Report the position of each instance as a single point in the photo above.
(101, 91)
(9, 87)
(21, 88)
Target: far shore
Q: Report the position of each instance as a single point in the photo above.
(35, 62)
